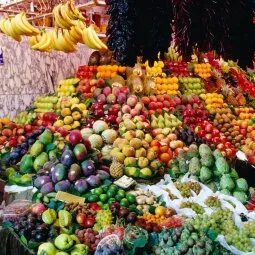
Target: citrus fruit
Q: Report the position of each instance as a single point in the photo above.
(118, 198)
(124, 202)
(121, 193)
(160, 210)
(100, 203)
(113, 187)
(98, 191)
(106, 206)
(111, 200)
(103, 197)
(131, 198)
(111, 193)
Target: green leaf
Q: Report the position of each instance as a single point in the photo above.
(33, 245)
(34, 197)
(23, 239)
(60, 205)
(211, 234)
(50, 147)
(6, 224)
(51, 204)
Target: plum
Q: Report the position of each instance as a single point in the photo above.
(88, 167)
(47, 188)
(67, 158)
(103, 175)
(93, 180)
(41, 180)
(81, 185)
(59, 173)
(62, 186)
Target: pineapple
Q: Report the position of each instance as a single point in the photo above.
(116, 169)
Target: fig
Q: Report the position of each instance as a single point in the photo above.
(62, 186)
(41, 180)
(93, 180)
(81, 186)
(47, 188)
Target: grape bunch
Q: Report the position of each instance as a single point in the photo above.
(221, 221)
(89, 237)
(198, 209)
(184, 189)
(195, 186)
(212, 201)
(188, 136)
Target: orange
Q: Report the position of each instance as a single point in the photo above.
(98, 75)
(107, 74)
(113, 74)
(158, 80)
(160, 210)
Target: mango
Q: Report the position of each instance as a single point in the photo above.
(46, 137)
(36, 149)
(26, 164)
(40, 161)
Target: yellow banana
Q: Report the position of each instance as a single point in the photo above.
(92, 33)
(72, 38)
(90, 37)
(69, 42)
(81, 24)
(41, 42)
(18, 22)
(34, 30)
(86, 39)
(47, 43)
(76, 35)
(65, 14)
(15, 28)
(32, 40)
(11, 32)
(75, 11)
(59, 18)
(70, 11)
(54, 40)
(2, 27)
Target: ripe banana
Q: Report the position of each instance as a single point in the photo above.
(86, 39)
(2, 27)
(95, 37)
(44, 44)
(10, 31)
(68, 42)
(59, 19)
(65, 14)
(76, 33)
(32, 40)
(91, 39)
(75, 11)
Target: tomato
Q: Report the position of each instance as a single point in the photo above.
(202, 133)
(215, 132)
(89, 222)
(94, 206)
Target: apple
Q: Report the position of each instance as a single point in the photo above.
(47, 249)
(220, 146)
(75, 137)
(38, 209)
(21, 139)
(28, 127)
(64, 242)
(202, 133)
(208, 137)
(209, 128)
(81, 218)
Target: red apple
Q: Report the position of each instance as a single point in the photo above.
(12, 125)
(28, 127)
(38, 209)
(21, 139)
(208, 137)
(81, 218)
(209, 128)
(75, 137)
(63, 131)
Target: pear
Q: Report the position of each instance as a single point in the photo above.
(139, 134)
(148, 138)
(128, 151)
(139, 125)
(36, 149)
(166, 131)
(168, 123)
(140, 153)
(151, 154)
(129, 161)
(146, 145)
(154, 124)
(161, 118)
(153, 117)
(161, 124)
(143, 162)
(136, 143)
(129, 135)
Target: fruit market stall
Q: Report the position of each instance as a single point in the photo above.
(151, 155)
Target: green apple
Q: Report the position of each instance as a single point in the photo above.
(64, 242)
(80, 249)
(47, 249)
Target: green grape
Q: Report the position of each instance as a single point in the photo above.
(212, 201)
(194, 206)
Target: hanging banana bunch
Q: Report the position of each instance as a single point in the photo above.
(17, 26)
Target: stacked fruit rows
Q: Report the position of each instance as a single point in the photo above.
(112, 122)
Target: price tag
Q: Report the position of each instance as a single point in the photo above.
(1, 57)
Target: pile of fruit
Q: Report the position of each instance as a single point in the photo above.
(111, 127)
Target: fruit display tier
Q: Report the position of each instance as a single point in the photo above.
(127, 159)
